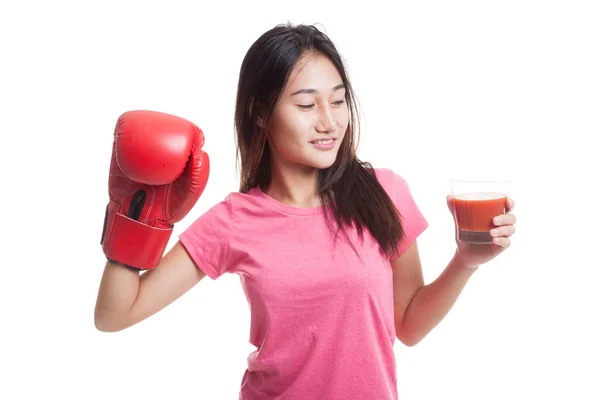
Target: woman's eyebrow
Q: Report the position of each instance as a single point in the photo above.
(338, 87)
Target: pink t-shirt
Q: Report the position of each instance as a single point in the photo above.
(322, 315)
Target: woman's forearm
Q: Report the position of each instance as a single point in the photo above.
(116, 295)
(432, 302)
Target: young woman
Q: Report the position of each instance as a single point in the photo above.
(324, 244)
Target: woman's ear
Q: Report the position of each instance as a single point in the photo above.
(255, 107)
(261, 122)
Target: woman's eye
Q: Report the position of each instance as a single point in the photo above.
(309, 106)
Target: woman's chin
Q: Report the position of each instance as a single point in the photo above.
(321, 163)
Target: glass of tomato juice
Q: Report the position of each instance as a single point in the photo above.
(476, 203)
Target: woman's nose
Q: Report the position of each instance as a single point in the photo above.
(326, 122)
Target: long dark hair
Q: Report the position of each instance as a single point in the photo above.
(349, 187)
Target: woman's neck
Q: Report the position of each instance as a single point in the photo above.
(295, 187)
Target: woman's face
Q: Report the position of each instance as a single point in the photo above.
(310, 120)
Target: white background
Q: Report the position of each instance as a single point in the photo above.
(498, 89)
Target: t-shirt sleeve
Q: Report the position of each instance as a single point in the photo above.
(207, 239)
(412, 220)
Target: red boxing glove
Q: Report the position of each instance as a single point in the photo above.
(157, 173)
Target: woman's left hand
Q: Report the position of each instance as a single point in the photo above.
(472, 255)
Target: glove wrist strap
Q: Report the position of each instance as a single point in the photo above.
(133, 243)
